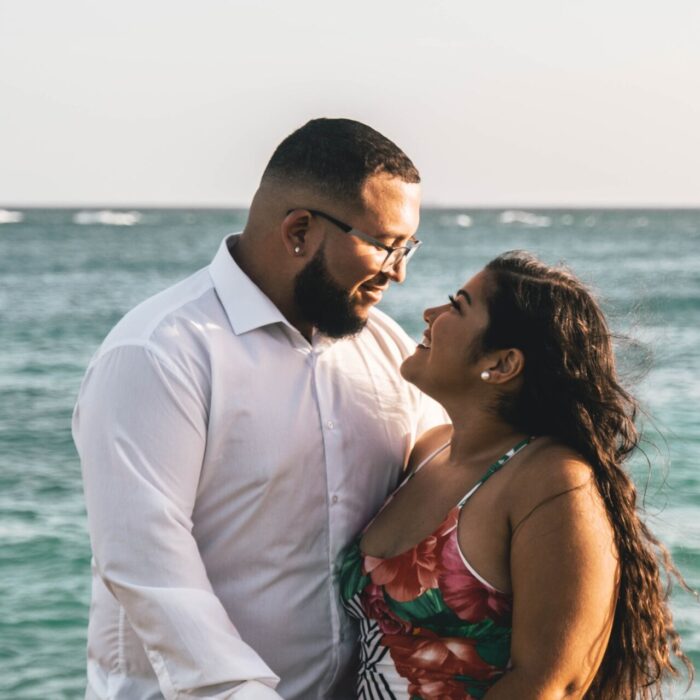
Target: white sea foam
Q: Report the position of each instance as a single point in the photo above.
(107, 217)
(461, 220)
(464, 220)
(526, 218)
(10, 217)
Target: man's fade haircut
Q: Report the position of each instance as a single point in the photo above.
(336, 156)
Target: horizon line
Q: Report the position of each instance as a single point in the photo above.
(433, 206)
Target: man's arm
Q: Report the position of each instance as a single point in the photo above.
(140, 429)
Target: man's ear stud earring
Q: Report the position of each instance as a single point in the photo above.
(486, 375)
(297, 250)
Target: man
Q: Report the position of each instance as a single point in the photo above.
(238, 429)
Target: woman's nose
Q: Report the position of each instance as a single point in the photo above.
(430, 314)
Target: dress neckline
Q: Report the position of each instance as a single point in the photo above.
(493, 468)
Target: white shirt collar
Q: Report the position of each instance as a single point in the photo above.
(246, 306)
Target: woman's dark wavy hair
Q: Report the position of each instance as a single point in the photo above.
(571, 392)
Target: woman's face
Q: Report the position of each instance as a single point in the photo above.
(447, 357)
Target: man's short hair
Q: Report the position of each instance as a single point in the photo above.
(336, 156)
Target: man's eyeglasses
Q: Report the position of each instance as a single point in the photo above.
(394, 256)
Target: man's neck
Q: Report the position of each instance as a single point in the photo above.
(280, 292)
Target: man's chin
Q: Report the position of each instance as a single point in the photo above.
(364, 300)
(333, 310)
(361, 311)
(368, 297)
(345, 322)
(346, 330)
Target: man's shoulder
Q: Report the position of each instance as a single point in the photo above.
(166, 335)
(162, 316)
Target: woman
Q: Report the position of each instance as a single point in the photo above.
(512, 563)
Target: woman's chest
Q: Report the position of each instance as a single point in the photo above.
(425, 512)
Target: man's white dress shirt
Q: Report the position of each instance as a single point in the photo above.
(227, 461)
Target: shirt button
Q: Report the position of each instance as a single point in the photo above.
(334, 499)
(330, 425)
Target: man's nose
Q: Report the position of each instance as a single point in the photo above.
(397, 273)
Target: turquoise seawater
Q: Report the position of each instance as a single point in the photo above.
(68, 276)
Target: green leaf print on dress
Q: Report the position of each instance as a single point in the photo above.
(352, 580)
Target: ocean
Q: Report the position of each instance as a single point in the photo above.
(68, 275)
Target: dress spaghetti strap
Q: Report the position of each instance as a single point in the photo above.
(495, 467)
(430, 457)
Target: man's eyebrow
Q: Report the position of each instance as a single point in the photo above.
(464, 293)
(396, 240)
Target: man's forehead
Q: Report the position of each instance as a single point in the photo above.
(383, 186)
(393, 204)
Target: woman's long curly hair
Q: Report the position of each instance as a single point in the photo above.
(571, 392)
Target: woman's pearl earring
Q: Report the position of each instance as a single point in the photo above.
(297, 250)
(486, 375)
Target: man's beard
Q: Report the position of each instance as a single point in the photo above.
(323, 302)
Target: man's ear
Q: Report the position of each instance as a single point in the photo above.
(293, 230)
(506, 365)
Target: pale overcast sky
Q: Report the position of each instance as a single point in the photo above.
(167, 102)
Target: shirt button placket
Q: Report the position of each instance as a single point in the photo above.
(330, 440)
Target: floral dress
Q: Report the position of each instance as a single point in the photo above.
(431, 628)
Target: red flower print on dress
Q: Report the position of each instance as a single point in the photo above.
(430, 664)
(410, 574)
(426, 686)
(464, 594)
(375, 608)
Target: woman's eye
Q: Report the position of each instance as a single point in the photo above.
(453, 301)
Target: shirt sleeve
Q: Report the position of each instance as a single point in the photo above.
(140, 430)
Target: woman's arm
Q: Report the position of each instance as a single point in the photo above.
(564, 573)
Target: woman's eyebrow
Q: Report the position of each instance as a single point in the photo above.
(464, 293)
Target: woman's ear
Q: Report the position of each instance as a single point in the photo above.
(506, 365)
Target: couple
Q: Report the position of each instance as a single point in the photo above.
(242, 435)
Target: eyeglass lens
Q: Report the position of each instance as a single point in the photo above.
(395, 257)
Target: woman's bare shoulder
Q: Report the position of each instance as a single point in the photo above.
(552, 464)
(549, 470)
(428, 442)
(559, 519)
